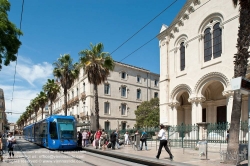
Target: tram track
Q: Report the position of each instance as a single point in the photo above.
(44, 155)
(97, 155)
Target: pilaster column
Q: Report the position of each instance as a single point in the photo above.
(187, 113)
(196, 109)
(229, 95)
(173, 112)
(211, 112)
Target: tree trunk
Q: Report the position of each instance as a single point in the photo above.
(50, 107)
(42, 112)
(240, 68)
(233, 141)
(36, 115)
(96, 106)
(65, 101)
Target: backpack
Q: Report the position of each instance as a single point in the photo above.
(144, 136)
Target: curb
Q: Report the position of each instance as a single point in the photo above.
(135, 159)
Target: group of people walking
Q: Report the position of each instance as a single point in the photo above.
(100, 140)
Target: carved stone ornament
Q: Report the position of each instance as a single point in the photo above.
(173, 104)
(185, 16)
(181, 23)
(201, 36)
(191, 9)
(197, 2)
(228, 93)
(176, 29)
(197, 99)
(171, 35)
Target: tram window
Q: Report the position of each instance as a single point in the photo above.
(53, 130)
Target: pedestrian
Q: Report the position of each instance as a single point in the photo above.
(11, 141)
(97, 139)
(117, 139)
(113, 140)
(91, 136)
(143, 139)
(1, 149)
(79, 138)
(103, 139)
(227, 136)
(163, 142)
(84, 138)
(126, 137)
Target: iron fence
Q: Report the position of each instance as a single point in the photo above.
(187, 136)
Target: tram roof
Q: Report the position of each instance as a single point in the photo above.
(51, 117)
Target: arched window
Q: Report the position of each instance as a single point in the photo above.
(182, 56)
(217, 40)
(207, 45)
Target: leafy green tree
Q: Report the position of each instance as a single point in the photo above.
(51, 88)
(9, 42)
(240, 68)
(66, 72)
(147, 114)
(97, 65)
(42, 100)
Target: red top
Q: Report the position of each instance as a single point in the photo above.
(98, 134)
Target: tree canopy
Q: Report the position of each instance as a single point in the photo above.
(9, 42)
(148, 114)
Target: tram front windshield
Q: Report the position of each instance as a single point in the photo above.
(66, 128)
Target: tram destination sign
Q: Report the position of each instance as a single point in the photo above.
(241, 84)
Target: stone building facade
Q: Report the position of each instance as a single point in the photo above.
(196, 64)
(125, 89)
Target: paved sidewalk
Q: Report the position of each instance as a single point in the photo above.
(181, 156)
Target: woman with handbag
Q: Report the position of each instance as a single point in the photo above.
(11, 141)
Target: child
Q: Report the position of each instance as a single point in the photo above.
(1, 149)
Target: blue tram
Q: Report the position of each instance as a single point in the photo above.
(55, 132)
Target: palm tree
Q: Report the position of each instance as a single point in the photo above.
(35, 105)
(66, 72)
(240, 68)
(51, 89)
(30, 111)
(97, 65)
(42, 100)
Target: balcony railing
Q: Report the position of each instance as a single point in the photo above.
(83, 96)
(73, 101)
(82, 115)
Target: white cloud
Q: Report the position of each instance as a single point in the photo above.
(28, 83)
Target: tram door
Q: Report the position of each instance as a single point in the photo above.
(45, 133)
(52, 134)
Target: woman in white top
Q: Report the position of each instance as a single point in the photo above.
(126, 136)
(163, 142)
(10, 140)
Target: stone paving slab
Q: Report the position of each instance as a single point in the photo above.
(181, 156)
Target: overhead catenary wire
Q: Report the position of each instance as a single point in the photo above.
(144, 26)
(20, 27)
(156, 36)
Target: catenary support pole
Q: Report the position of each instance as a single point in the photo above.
(248, 128)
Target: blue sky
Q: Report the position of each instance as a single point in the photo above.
(54, 27)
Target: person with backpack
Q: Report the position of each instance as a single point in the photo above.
(11, 141)
(143, 139)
